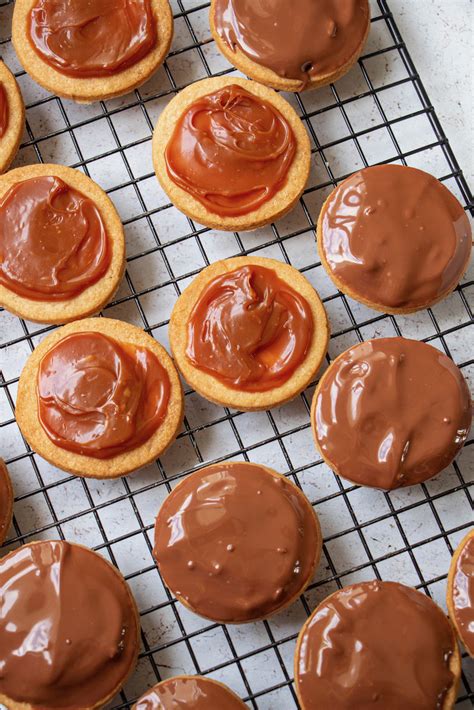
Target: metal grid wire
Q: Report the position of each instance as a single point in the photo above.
(379, 113)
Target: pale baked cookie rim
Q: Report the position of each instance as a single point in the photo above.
(325, 458)
(183, 676)
(11, 139)
(213, 389)
(16, 705)
(318, 550)
(267, 76)
(8, 518)
(454, 664)
(88, 466)
(88, 89)
(94, 297)
(278, 205)
(347, 289)
(450, 588)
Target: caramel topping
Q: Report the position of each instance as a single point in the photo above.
(297, 40)
(5, 502)
(67, 624)
(236, 542)
(4, 112)
(81, 38)
(100, 398)
(53, 243)
(463, 594)
(375, 644)
(395, 236)
(249, 329)
(231, 150)
(190, 692)
(391, 412)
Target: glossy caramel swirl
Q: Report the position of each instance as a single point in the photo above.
(231, 150)
(4, 112)
(189, 693)
(236, 542)
(67, 624)
(391, 412)
(81, 38)
(98, 397)
(375, 645)
(395, 236)
(53, 242)
(298, 39)
(249, 329)
(463, 594)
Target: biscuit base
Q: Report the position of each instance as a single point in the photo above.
(274, 208)
(88, 466)
(190, 677)
(380, 307)
(450, 588)
(212, 388)
(94, 297)
(15, 705)
(10, 141)
(89, 89)
(267, 76)
(454, 663)
(304, 500)
(9, 514)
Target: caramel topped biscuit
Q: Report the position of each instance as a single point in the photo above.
(249, 333)
(231, 154)
(249, 329)
(91, 50)
(53, 240)
(231, 150)
(12, 117)
(62, 245)
(84, 39)
(100, 398)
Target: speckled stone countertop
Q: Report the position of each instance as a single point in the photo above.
(438, 34)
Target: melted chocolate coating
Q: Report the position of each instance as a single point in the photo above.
(463, 594)
(235, 542)
(80, 38)
(5, 501)
(98, 397)
(67, 624)
(296, 40)
(4, 112)
(391, 412)
(395, 236)
(375, 644)
(53, 242)
(249, 329)
(189, 693)
(231, 150)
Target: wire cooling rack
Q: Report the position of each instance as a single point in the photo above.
(380, 112)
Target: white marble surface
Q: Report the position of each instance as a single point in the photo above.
(438, 34)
